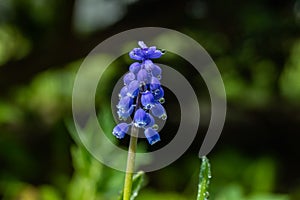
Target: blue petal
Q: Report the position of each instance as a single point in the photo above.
(155, 54)
(159, 111)
(148, 65)
(123, 92)
(125, 103)
(158, 93)
(142, 44)
(120, 130)
(128, 78)
(147, 100)
(152, 136)
(151, 50)
(133, 88)
(124, 114)
(141, 118)
(143, 76)
(154, 84)
(136, 54)
(156, 71)
(135, 67)
(152, 121)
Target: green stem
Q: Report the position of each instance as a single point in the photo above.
(130, 163)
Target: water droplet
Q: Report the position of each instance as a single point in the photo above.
(155, 127)
(161, 100)
(164, 117)
(206, 195)
(158, 77)
(147, 107)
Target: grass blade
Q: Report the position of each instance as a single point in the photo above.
(204, 178)
(137, 183)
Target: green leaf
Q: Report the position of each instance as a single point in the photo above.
(137, 183)
(204, 177)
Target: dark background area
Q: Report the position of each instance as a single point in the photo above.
(255, 44)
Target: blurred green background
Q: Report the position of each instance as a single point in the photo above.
(255, 44)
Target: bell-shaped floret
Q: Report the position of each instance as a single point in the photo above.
(156, 71)
(154, 84)
(152, 136)
(136, 54)
(120, 130)
(143, 76)
(133, 88)
(158, 93)
(159, 111)
(124, 114)
(123, 92)
(135, 67)
(148, 65)
(141, 119)
(147, 100)
(151, 123)
(128, 78)
(153, 53)
(125, 103)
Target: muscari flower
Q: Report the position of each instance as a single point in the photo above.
(143, 93)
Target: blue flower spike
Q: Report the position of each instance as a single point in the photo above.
(142, 94)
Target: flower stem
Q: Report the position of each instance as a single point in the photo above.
(130, 162)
